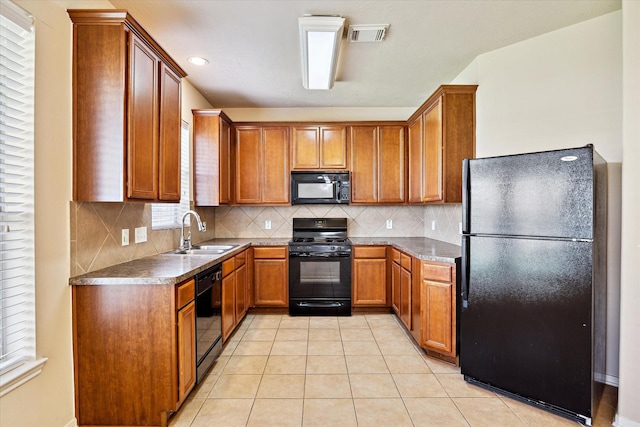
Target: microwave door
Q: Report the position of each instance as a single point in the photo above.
(315, 190)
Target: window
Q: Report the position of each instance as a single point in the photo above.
(17, 295)
(168, 215)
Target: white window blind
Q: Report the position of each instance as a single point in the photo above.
(168, 215)
(17, 296)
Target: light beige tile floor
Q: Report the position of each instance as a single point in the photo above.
(362, 370)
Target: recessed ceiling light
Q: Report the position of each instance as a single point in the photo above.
(196, 60)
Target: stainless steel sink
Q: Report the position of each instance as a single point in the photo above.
(204, 250)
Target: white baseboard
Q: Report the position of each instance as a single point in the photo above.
(72, 423)
(612, 381)
(623, 422)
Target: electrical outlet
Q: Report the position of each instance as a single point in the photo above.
(267, 224)
(460, 227)
(125, 237)
(141, 234)
(389, 224)
(433, 224)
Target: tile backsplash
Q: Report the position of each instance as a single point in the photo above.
(363, 221)
(96, 233)
(96, 228)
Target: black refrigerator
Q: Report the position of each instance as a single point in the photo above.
(533, 291)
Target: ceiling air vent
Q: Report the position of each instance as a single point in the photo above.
(367, 33)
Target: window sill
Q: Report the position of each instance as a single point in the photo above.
(20, 375)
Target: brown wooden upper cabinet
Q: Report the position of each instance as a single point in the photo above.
(378, 164)
(319, 147)
(126, 111)
(211, 158)
(261, 165)
(440, 135)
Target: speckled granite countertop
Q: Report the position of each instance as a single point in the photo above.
(170, 269)
(418, 247)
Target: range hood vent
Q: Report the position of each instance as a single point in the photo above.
(367, 33)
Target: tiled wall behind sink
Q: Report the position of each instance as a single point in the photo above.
(96, 233)
(363, 221)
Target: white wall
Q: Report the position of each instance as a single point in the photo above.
(559, 90)
(629, 392)
(48, 399)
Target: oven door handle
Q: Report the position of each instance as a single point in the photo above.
(328, 304)
(320, 255)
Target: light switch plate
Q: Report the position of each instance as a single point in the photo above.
(433, 224)
(141, 234)
(125, 237)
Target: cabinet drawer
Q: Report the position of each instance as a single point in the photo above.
(405, 261)
(185, 293)
(395, 255)
(228, 266)
(438, 272)
(241, 259)
(370, 251)
(269, 252)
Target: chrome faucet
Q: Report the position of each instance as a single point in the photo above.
(185, 243)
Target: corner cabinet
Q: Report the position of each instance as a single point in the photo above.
(378, 164)
(126, 111)
(319, 147)
(133, 352)
(261, 165)
(211, 158)
(440, 135)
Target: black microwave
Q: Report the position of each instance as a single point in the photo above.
(318, 187)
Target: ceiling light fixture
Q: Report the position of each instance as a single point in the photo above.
(196, 60)
(320, 38)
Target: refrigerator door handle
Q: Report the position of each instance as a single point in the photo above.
(466, 197)
(464, 288)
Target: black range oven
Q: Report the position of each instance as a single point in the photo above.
(320, 267)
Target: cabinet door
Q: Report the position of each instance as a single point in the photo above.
(395, 287)
(433, 153)
(369, 282)
(305, 152)
(435, 312)
(186, 350)
(415, 180)
(405, 297)
(364, 164)
(241, 292)
(275, 166)
(270, 281)
(391, 161)
(248, 165)
(170, 129)
(142, 141)
(333, 147)
(228, 305)
(225, 162)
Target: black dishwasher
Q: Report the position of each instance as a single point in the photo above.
(208, 319)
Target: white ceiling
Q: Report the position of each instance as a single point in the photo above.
(253, 46)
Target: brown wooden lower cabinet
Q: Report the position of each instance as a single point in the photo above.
(369, 276)
(270, 276)
(133, 347)
(401, 286)
(438, 308)
(234, 293)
